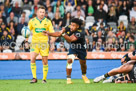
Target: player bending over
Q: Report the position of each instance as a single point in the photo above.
(128, 68)
(76, 38)
(40, 42)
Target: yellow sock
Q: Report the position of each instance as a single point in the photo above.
(33, 69)
(45, 71)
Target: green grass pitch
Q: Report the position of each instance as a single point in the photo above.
(60, 85)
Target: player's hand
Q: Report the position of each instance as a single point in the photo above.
(45, 33)
(63, 30)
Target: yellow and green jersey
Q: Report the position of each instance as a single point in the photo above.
(37, 26)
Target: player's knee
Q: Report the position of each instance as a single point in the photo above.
(69, 64)
(69, 61)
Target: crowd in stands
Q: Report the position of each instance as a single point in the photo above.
(110, 25)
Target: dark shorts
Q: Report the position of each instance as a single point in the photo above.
(132, 74)
(81, 53)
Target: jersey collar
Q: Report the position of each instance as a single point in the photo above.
(40, 20)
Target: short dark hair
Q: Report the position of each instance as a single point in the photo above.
(41, 7)
(77, 21)
(132, 37)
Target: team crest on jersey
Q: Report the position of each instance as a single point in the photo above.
(78, 34)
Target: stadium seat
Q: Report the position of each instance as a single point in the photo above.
(28, 12)
(90, 19)
(113, 25)
(88, 24)
(123, 17)
(19, 40)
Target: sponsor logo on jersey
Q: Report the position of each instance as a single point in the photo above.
(39, 30)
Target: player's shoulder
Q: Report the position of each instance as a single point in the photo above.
(32, 19)
(46, 20)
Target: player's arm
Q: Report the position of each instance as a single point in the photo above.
(128, 57)
(55, 34)
(71, 38)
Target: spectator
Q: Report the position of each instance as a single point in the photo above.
(23, 15)
(110, 45)
(8, 7)
(112, 15)
(79, 15)
(61, 8)
(17, 10)
(100, 14)
(34, 8)
(83, 4)
(66, 20)
(90, 9)
(125, 9)
(12, 29)
(98, 48)
(112, 36)
(69, 7)
(25, 46)
(3, 18)
(93, 30)
(131, 46)
(121, 45)
(19, 2)
(73, 2)
(61, 47)
(102, 29)
(133, 12)
(99, 36)
(26, 5)
(2, 9)
(119, 8)
(132, 26)
(47, 4)
(57, 22)
(2, 28)
(105, 7)
(6, 39)
(121, 28)
(21, 25)
(12, 18)
(78, 8)
(50, 13)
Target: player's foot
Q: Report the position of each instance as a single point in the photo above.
(108, 80)
(97, 79)
(44, 81)
(34, 80)
(69, 81)
(86, 80)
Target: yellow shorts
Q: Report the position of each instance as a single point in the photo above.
(42, 48)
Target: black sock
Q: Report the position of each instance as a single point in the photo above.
(106, 75)
(69, 76)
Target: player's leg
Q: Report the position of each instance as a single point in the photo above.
(33, 66)
(122, 69)
(70, 61)
(45, 68)
(44, 52)
(83, 69)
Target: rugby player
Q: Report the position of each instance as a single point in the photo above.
(39, 43)
(75, 35)
(128, 67)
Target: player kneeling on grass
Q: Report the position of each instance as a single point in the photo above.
(128, 68)
(76, 37)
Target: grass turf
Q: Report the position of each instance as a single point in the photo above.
(60, 85)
